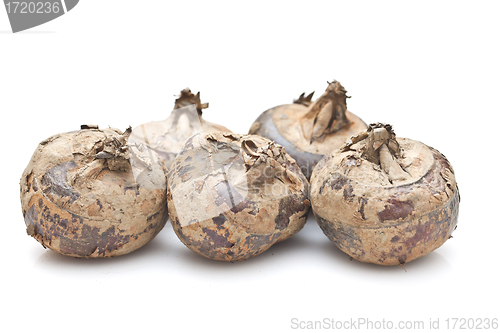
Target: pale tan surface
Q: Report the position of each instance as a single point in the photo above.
(286, 118)
(245, 180)
(381, 220)
(122, 199)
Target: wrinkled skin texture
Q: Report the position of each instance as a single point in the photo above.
(81, 197)
(309, 130)
(378, 220)
(231, 197)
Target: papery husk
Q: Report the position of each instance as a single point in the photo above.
(385, 200)
(231, 197)
(89, 193)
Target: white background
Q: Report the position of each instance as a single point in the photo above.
(429, 68)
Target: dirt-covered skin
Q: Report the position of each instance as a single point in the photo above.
(231, 197)
(89, 194)
(309, 130)
(166, 137)
(385, 200)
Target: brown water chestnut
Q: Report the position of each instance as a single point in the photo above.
(167, 137)
(309, 130)
(88, 193)
(231, 196)
(385, 200)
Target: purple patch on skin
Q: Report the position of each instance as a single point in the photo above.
(396, 209)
